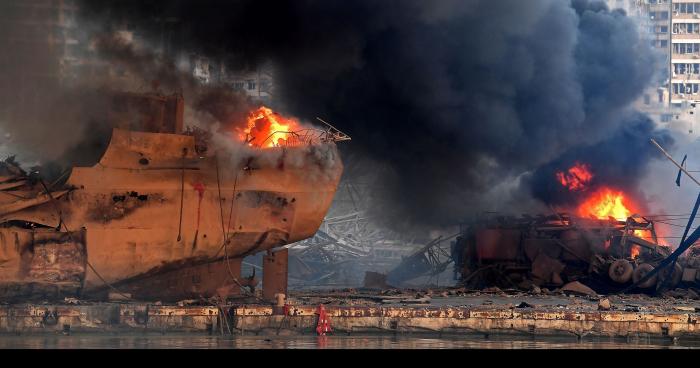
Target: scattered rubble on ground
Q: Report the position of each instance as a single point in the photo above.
(578, 288)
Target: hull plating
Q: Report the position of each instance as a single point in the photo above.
(153, 204)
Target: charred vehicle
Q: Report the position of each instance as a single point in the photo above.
(608, 255)
(163, 217)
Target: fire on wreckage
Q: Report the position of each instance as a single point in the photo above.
(550, 251)
(600, 246)
(603, 245)
(160, 217)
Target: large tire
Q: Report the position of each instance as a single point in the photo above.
(621, 271)
(640, 272)
(676, 276)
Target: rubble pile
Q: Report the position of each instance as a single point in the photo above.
(343, 249)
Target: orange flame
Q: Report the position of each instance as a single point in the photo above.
(604, 203)
(607, 202)
(576, 178)
(267, 128)
(634, 251)
(647, 235)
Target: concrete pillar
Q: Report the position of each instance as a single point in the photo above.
(275, 274)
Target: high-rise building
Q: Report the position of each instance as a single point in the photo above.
(673, 28)
(684, 86)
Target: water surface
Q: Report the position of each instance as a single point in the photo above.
(190, 341)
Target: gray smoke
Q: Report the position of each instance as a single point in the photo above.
(43, 110)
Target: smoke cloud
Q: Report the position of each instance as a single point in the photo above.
(461, 106)
(620, 161)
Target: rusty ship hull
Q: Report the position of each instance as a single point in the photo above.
(157, 220)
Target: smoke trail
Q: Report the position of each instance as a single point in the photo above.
(456, 101)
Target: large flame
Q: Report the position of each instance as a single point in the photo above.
(267, 128)
(604, 203)
(576, 178)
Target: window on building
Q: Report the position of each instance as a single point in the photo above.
(663, 43)
(265, 85)
(686, 48)
(686, 28)
(686, 88)
(663, 29)
(680, 8)
(679, 69)
(686, 8)
(686, 68)
(665, 118)
(238, 85)
(251, 84)
(663, 15)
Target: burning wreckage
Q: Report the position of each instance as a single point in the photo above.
(604, 245)
(607, 255)
(162, 216)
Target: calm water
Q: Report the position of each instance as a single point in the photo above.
(100, 341)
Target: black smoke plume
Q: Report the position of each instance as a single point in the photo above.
(450, 99)
(618, 162)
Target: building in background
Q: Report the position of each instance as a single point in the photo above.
(40, 51)
(256, 84)
(685, 53)
(673, 28)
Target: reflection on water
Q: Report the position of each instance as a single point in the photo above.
(105, 341)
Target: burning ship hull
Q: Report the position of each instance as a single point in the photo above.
(155, 219)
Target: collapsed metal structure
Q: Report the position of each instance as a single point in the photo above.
(343, 249)
(431, 260)
(159, 217)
